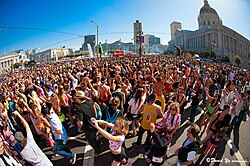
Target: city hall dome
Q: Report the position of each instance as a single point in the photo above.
(208, 16)
(207, 9)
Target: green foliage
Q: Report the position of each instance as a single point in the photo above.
(213, 55)
(237, 60)
(75, 55)
(206, 54)
(201, 54)
(225, 59)
(192, 52)
(85, 53)
(17, 65)
(168, 52)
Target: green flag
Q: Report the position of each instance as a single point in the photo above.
(101, 48)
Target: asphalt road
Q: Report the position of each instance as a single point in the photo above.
(226, 154)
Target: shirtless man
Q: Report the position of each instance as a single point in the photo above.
(158, 89)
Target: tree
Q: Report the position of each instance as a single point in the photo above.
(225, 59)
(168, 52)
(192, 52)
(237, 60)
(206, 54)
(17, 65)
(201, 54)
(213, 55)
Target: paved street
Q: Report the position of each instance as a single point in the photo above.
(226, 154)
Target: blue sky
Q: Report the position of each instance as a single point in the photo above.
(74, 16)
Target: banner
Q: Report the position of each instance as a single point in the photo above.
(90, 50)
(101, 48)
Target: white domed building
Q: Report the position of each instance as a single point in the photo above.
(212, 35)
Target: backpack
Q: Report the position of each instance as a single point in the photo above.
(104, 95)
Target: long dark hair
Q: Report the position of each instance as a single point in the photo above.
(214, 101)
(138, 96)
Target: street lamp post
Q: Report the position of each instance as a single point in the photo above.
(213, 54)
(97, 44)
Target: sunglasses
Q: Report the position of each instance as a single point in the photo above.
(116, 125)
(174, 109)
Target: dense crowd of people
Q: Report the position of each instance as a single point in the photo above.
(105, 96)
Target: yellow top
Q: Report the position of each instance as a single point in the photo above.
(6, 105)
(149, 116)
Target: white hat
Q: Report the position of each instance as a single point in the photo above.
(19, 136)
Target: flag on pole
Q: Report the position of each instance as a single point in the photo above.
(100, 48)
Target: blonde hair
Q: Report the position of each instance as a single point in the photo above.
(123, 127)
(176, 105)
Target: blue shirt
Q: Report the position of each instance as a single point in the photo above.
(12, 106)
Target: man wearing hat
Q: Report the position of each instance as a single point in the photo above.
(85, 111)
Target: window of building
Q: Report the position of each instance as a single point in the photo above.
(213, 22)
(204, 23)
(208, 22)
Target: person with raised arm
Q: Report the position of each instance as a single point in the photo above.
(31, 152)
(116, 139)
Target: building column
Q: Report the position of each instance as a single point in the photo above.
(195, 42)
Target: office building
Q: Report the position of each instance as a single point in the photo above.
(89, 39)
(7, 60)
(137, 30)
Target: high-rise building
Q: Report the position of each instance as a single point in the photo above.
(35, 51)
(137, 29)
(174, 26)
(149, 41)
(89, 39)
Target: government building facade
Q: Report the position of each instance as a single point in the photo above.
(211, 35)
(7, 60)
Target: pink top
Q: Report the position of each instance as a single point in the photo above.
(168, 117)
(9, 135)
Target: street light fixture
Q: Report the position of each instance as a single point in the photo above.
(97, 44)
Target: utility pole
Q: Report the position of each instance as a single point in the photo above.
(97, 44)
(140, 49)
(139, 41)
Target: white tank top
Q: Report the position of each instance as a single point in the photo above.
(116, 146)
